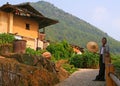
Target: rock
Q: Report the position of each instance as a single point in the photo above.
(37, 70)
(47, 55)
(1, 57)
(62, 74)
(31, 75)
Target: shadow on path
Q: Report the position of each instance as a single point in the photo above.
(82, 77)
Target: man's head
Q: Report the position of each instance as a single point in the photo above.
(104, 40)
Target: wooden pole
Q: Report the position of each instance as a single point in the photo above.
(115, 79)
(109, 69)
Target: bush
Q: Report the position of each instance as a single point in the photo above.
(6, 41)
(6, 38)
(31, 51)
(115, 57)
(76, 60)
(61, 50)
(116, 63)
(116, 60)
(85, 60)
(69, 68)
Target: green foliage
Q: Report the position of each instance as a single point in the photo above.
(53, 59)
(69, 68)
(31, 51)
(27, 59)
(24, 58)
(6, 38)
(85, 60)
(6, 41)
(115, 57)
(116, 63)
(74, 30)
(76, 60)
(60, 50)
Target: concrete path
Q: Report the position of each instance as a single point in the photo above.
(82, 77)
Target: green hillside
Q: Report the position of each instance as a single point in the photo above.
(74, 30)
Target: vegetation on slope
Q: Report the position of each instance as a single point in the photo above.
(74, 30)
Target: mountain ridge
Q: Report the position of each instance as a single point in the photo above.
(71, 28)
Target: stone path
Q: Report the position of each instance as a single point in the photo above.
(82, 77)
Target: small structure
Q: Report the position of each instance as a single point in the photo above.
(24, 22)
(77, 49)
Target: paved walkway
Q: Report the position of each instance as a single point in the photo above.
(82, 77)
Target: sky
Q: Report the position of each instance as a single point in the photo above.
(103, 14)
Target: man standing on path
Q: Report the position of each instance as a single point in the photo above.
(104, 49)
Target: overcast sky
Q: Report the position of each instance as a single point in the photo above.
(104, 14)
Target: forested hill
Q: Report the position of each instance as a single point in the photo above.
(74, 30)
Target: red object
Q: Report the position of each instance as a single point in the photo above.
(19, 46)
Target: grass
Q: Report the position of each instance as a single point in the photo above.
(69, 68)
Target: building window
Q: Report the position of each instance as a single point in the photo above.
(28, 26)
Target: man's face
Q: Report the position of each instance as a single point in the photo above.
(104, 41)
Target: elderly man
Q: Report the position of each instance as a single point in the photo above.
(104, 50)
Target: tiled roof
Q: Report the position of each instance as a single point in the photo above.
(27, 10)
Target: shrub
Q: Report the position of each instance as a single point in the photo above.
(115, 57)
(76, 60)
(85, 60)
(31, 51)
(61, 50)
(6, 38)
(6, 41)
(116, 63)
(69, 68)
